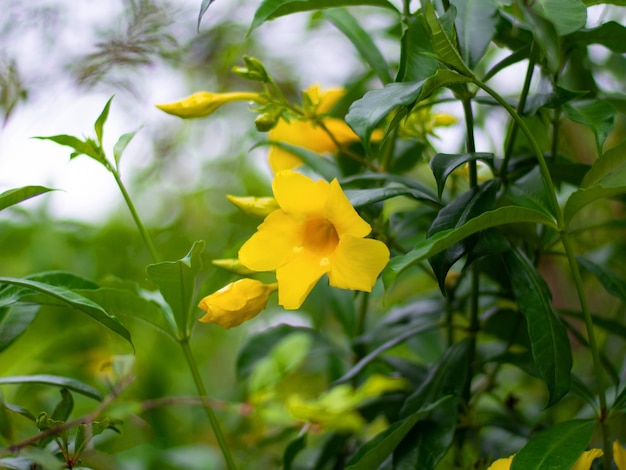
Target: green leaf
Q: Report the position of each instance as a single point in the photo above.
(529, 191)
(56, 381)
(582, 197)
(611, 35)
(14, 196)
(6, 430)
(443, 164)
(567, 16)
(64, 407)
(323, 166)
(442, 44)
(548, 337)
(598, 115)
(372, 454)
(546, 37)
(366, 113)
(474, 40)
(556, 447)
(271, 9)
(203, 8)
(611, 162)
(73, 300)
(292, 450)
(132, 305)
(87, 147)
(31, 457)
(178, 283)
(442, 240)
(99, 124)
(443, 78)
(614, 284)
(120, 146)
(364, 197)
(417, 61)
(361, 40)
(14, 321)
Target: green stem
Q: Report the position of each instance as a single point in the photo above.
(131, 207)
(573, 265)
(193, 367)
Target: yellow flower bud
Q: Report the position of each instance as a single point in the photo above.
(204, 103)
(233, 265)
(257, 206)
(443, 120)
(236, 303)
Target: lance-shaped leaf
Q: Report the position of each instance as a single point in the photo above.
(14, 196)
(361, 40)
(417, 60)
(14, 321)
(363, 197)
(557, 447)
(203, 8)
(74, 300)
(81, 147)
(444, 164)
(611, 35)
(442, 43)
(612, 162)
(549, 342)
(567, 16)
(529, 191)
(120, 146)
(614, 284)
(271, 9)
(598, 115)
(55, 381)
(372, 454)
(442, 240)
(178, 283)
(99, 124)
(473, 40)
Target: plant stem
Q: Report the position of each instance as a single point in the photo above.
(131, 207)
(573, 265)
(193, 367)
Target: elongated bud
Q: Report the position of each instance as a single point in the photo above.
(236, 303)
(257, 206)
(204, 103)
(233, 265)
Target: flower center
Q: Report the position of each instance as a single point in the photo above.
(320, 237)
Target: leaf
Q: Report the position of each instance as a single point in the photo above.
(473, 41)
(443, 78)
(372, 454)
(548, 337)
(56, 381)
(292, 450)
(417, 61)
(529, 191)
(120, 146)
(366, 113)
(567, 16)
(128, 304)
(271, 9)
(598, 115)
(87, 147)
(64, 407)
(364, 197)
(99, 124)
(203, 8)
(74, 300)
(443, 164)
(442, 240)
(178, 282)
(14, 321)
(614, 284)
(556, 447)
(611, 162)
(14, 196)
(361, 40)
(6, 430)
(611, 35)
(323, 166)
(442, 44)
(582, 197)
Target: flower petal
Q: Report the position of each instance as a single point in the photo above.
(342, 215)
(502, 464)
(281, 159)
(357, 262)
(586, 458)
(341, 131)
(297, 278)
(303, 134)
(329, 98)
(619, 455)
(299, 196)
(272, 245)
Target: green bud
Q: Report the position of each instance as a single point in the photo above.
(265, 122)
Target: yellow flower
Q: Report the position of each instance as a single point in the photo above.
(204, 103)
(316, 231)
(582, 463)
(305, 134)
(237, 302)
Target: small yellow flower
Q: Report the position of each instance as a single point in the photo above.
(204, 103)
(316, 231)
(619, 455)
(236, 303)
(257, 206)
(305, 134)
